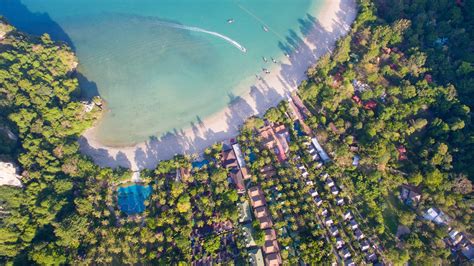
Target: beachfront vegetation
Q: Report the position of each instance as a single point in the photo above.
(396, 92)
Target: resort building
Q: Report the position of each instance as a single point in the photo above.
(256, 196)
(273, 259)
(276, 139)
(410, 195)
(238, 180)
(261, 212)
(324, 156)
(241, 161)
(265, 222)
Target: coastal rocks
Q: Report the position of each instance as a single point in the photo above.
(9, 175)
(4, 29)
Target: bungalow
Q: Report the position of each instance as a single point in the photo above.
(353, 224)
(356, 160)
(309, 183)
(339, 243)
(270, 234)
(229, 160)
(268, 171)
(334, 231)
(270, 246)
(364, 246)
(265, 222)
(347, 215)
(329, 182)
(305, 174)
(339, 201)
(436, 216)
(313, 193)
(318, 201)
(371, 257)
(359, 235)
(402, 153)
(334, 190)
(349, 262)
(273, 259)
(328, 222)
(238, 180)
(256, 197)
(324, 176)
(455, 237)
(345, 253)
(261, 211)
(324, 212)
(370, 105)
(356, 99)
(410, 195)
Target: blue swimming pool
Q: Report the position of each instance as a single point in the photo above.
(131, 199)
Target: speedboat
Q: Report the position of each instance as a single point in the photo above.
(273, 60)
(264, 59)
(230, 20)
(265, 28)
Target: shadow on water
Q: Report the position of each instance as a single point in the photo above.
(166, 146)
(33, 23)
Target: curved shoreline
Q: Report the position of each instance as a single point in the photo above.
(332, 21)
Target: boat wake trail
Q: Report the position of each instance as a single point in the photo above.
(196, 29)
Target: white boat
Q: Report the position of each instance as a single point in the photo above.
(265, 28)
(273, 60)
(230, 21)
(264, 59)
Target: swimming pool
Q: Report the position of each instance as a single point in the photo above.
(131, 199)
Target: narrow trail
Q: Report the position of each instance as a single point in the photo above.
(196, 29)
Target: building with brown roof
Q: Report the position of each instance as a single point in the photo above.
(265, 222)
(271, 246)
(256, 197)
(410, 195)
(273, 259)
(275, 138)
(261, 211)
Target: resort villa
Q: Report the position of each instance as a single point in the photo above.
(276, 138)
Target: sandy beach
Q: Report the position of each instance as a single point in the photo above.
(322, 29)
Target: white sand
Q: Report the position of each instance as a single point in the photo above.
(332, 22)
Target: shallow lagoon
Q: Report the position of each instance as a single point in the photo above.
(156, 78)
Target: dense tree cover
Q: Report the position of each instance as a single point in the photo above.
(406, 61)
(378, 94)
(67, 210)
(442, 30)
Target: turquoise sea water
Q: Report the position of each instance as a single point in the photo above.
(156, 74)
(131, 199)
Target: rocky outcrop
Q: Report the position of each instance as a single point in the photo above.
(9, 175)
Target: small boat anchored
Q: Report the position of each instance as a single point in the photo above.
(265, 29)
(264, 59)
(230, 20)
(266, 71)
(273, 60)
